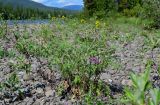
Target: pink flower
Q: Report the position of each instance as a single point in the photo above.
(94, 60)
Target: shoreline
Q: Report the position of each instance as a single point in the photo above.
(23, 22)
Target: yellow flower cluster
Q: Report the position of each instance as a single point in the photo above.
(53, 18)
(97, 24)
(83, 21)
(63, 17)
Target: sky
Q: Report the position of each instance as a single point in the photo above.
(59, 3)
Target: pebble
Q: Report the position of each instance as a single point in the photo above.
(105, 76)
(39, 93)
(126, 82)
(7, 101)
(33, 91)
(39, 90)
(21, 74)
(26, 77)
(49, 92)
(6, 70)
(40, 101)
(43, 61)
(34, 67)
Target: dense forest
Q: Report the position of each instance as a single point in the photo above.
(130, 8)
(21, 11)
(31, 10)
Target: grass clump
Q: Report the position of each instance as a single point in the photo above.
(138, 95)
(82, 61)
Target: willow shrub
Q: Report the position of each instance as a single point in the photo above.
(83, 61)
(152, 10)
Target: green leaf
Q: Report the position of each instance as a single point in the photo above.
(134, 80)
(129, 94)
(147, 72)
(77, 79)
(155, 95)
(151, 102)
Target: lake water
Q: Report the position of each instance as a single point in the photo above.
(12, 22)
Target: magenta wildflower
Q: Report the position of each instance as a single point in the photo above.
(94, 60)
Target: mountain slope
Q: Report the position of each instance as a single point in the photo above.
(28, 9)
(73, 7)
(26, 3)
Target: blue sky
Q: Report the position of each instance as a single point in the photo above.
(59, 3)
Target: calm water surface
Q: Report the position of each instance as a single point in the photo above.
(12, 22)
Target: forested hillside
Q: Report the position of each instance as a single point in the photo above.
(27, 9)
(73, 7)
(24, 3)
(131, 8)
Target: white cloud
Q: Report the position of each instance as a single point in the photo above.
(66, 4)
(61, 1)
(39, 1)
(69, 2)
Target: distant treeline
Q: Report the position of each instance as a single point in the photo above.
(137, 8)
(102, 7)
(9, 11)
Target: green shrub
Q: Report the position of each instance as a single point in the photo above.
(152, 10)
(82, 62)
(128, 4)
(136, 11)
(99, 8)
(141, 85)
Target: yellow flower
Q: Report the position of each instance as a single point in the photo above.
(53, 18)
(63, 17)
(83, 21)
(97, 24)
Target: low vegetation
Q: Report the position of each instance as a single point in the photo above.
(79, 49)
(103, 56)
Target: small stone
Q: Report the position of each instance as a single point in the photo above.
(37, 102)
(43, 61)
(57, 76)
(105, 76)
(17, 103)
(40, 85)
(47, 103)
(110, 81)
(40, 93)
(6, 70)
(21, 74)
(39, 90)
(48, 75)
(27, 77)
(33, 91)
(43, 101)
(7, 100)
(49, 92)
(126, 82)
(1, 96)
(2, 102)
(28, 101)
(34, 67)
